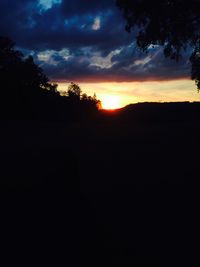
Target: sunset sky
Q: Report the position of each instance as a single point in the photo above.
(85, 42)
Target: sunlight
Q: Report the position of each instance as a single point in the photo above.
(125, 93)
(110, 102)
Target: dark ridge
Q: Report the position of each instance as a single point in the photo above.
(156, 112)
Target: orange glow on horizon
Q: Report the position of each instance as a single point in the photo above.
(110, 102)
(115, 95)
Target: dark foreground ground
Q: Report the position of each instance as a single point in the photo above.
(121, 190)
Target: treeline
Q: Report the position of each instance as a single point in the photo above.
(27, 93)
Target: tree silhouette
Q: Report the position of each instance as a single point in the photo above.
(173, 24)
(195, 73)
(81, 100)
(22, 81)
(27, 92)
(74, 91)
(91, 101)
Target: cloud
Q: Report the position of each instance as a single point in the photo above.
(86, 7)
(47, 4)
(84, 40)
(97, 24)
(118, 66)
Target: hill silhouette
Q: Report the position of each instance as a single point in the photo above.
(162, 112)
(121, 189)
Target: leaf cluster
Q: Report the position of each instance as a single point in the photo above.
(173, 24)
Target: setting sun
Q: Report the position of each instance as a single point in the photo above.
(111, 102)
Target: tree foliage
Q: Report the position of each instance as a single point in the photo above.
(27, 92)
(74, 91)
(21, 80)
(195, 71)
(173, 24)
(15, 69)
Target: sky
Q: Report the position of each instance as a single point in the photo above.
(85, 42)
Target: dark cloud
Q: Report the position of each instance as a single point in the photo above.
(83, 40)
(75, 8)
(126, 65)
(15, 16)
